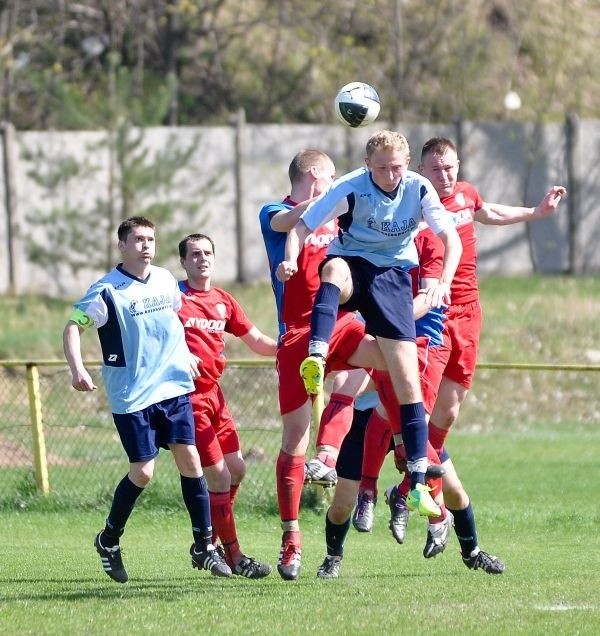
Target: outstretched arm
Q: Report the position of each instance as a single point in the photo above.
(259, 342)
(498, 214)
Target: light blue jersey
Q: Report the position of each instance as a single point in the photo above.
(377, 227)
(145, 357)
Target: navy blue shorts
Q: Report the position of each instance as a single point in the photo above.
(384, 297)
(349, 461)
(144, 432)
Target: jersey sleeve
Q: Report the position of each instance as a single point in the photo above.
(94, 306)
(434, 213)
(238, 324)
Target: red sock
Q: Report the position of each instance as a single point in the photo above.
(233, 491)
(290, 479)
(437, 437)
(335, 421)
(376, 447)
(224, 525)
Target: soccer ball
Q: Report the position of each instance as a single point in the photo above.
(357, 104)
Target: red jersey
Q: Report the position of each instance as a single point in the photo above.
(295, 297)
(462, 204)
(206, 315)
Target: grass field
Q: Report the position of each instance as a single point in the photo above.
(526, 447)
(536, 503)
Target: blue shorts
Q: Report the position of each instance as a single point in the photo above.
(384, 297)
(349, 461)
(144, 432)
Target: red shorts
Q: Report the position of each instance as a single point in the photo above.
(216, 432)
(347, 335)
(432, 362)
(462, 329)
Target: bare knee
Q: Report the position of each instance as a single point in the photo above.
(141, 473)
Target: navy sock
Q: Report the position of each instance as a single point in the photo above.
(414, 436)
(335, 536)
(464, 526)
(324, 313)
(196, 499)
(126, 494)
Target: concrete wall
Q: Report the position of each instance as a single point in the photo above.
(508, 162)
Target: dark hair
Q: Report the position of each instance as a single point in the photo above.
(128, 224)
(437, 146)
(304, 161)
(191, 238)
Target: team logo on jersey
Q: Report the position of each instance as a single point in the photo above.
(393, 228)
(221, 310)
(132, 305)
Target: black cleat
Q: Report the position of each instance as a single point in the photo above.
(111, 561)
(210, 560)
(330, 568)
(484, 561)
(251, 568)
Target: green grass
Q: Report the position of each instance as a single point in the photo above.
(534, 497)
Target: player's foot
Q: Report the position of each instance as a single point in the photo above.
(420, 500)
(211, 560)
(434, 471)
(363, 516)
(312, 371)
(289, 562)
(399, 513)
(437, 536)
(251, 568)
(483, 561)
(111, 560)
(330, 568)
(318, 473)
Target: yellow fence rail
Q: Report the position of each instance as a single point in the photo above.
(72, 434)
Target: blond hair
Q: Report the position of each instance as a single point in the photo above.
(387, 140)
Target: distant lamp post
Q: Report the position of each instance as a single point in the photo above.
(512, 101)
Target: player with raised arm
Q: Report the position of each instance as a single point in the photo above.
(367, 269)
(207, 313)
(310, 172)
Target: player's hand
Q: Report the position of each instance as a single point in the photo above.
(82, 381)
(437, 295)
(550, 202)
(195, 363)
(285, 270)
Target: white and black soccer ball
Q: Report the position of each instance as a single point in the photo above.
(357, 104)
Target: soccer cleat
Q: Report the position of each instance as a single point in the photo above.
(437, 536)
(289, 562)
(434, 471)
(484, 561)
(364, 512)
(111, 561)
(420, 500)
(312, 371)
(211, 560)
(251, 568)
(399, 513)
(318, 473)
(330, 568)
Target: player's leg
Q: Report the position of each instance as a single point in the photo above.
(337, 520)
(336, 421)
(460, 506)
(402, 362)
(290, 480)
(378, 437)
(140, 443)
(335, 288)
(178, 432)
